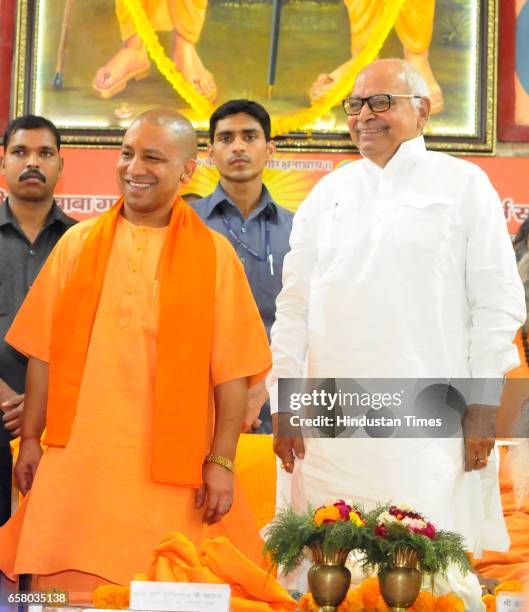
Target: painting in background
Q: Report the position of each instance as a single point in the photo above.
(513, 91)
(222, 47)
(521, 75)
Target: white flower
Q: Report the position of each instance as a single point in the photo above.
(387, 518)
(405, 507)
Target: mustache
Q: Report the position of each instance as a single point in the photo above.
(32, 173)
(371, 124)
(235, 158)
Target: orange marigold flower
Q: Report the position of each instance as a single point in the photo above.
(370, 584)
(449, 603)
(327, 514)
(425, 602)
(353, 602)
(490, 603)
(512, 586)
(307, 603)
(370, 593)
(111, 597)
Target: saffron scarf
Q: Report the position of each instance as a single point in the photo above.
(186, 275)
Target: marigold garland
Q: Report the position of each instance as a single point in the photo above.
(199, 103)
(342, 88)
(509, 586)
(286, 124)
(367, 597)
(111, 597)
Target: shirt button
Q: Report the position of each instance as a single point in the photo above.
(243, 259)
(243, 230)
(31, 252)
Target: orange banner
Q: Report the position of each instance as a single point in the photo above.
(88, 185)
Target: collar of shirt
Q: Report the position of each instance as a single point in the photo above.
(55, 215)
(407, 152)
(219, 197)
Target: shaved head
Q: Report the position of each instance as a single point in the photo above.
(175, 122)
(158, 155)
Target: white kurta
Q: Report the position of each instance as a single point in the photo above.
(405, 271)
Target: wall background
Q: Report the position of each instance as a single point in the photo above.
(88, 184)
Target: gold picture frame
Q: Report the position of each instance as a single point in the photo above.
(464, 30)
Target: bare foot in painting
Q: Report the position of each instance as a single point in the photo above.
(188, 62)
(326, 80)
(130, 62)
(422, 63)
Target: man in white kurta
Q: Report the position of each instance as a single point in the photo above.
(401, 266)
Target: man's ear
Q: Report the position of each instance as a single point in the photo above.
(189, 168)
(424, 112)
(61, 165)
(210, 152)
(270, 149)
(2, 163)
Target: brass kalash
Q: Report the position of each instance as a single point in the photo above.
(400, 585)
(329, 579)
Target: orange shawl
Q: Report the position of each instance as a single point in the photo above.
(186, 274)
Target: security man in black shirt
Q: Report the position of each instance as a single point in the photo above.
(30, 225)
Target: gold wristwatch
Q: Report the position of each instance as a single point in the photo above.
(220, 460)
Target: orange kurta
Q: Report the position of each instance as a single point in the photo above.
(93, 507)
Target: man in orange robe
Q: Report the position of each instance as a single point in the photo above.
(145, 324)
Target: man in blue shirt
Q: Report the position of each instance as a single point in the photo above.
(241, 207)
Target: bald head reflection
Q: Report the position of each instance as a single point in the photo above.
(176, 124)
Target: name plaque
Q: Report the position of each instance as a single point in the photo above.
(179, 596)
(507, 602)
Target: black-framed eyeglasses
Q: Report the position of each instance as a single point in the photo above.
(378, 103)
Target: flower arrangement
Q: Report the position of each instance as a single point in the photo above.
(367, 597)
(394, 529)
(337, 527)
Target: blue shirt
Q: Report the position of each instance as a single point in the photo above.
(217, 209)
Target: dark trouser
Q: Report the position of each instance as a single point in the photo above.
(5, 483)
(266, 420)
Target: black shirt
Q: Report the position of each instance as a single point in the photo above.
(20, 262)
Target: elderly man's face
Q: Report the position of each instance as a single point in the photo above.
(379, 135)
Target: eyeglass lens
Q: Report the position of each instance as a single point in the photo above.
(377, 103)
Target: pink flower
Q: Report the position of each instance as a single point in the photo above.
(428, 531)
(381, 530)
(344, 509)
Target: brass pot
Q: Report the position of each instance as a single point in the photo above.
(329, 579)
(400, 584)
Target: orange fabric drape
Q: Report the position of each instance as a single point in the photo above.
(187, 291)
(514, 564)
(218, 561)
